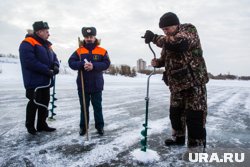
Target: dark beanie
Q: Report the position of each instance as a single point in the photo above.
(168, 19)
(39, 25)
(88, 31)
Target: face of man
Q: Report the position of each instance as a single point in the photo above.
(89, 39)
(170, 30)
(44, 34)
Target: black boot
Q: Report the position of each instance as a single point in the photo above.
(196, 143)
(41, 121)
(179, 141)
(32, 131)
(82, 132)
(100, 131)
(46, 129)
(30, 117)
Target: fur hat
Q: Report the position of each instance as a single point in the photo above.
(168, 19)
(88, 31)
(39, 25)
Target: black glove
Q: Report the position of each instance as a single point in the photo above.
(56, 69)
(149, 35)
(50, 73)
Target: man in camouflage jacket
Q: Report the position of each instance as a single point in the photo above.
(186, 75)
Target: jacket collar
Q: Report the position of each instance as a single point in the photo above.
(40, 40)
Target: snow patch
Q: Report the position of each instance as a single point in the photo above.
(146, 157)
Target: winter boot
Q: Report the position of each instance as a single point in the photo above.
(100, 131)
(32, 131)
(46, 129)
(82, 132)
(196, 143)
(178, 141)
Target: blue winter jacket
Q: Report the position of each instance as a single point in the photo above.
(93, 80)
(37, 59)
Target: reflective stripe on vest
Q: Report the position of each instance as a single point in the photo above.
(97, 50)
(32, 41)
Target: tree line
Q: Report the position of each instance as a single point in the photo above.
(128, 71)
(122, 70)
(131, 72)
(228, 77)
(8, 55)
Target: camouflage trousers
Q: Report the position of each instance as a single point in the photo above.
(188, 108)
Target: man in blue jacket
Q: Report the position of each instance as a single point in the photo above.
(39, 64)
(92, 60)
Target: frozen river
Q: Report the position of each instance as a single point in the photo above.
(228, 124)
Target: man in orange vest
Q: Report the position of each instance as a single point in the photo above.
(92, 60)
(39, 64)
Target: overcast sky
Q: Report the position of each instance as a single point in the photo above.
(223, 27)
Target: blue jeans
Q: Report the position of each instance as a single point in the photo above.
(96, 100)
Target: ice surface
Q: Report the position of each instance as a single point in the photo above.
(228, 122)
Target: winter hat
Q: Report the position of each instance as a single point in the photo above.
(168, 19)
(88, 31)
(39, 25)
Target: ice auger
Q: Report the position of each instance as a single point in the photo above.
(145, 125)
(53, 99)
(41, 87)
(52, 95)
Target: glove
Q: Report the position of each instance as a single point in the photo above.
(56, 69)
(149, 35)
(50, 73)
(154, 63)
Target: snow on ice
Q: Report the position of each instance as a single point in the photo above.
(228, 123)
(146, 157)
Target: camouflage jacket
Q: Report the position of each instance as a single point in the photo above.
(182, 57)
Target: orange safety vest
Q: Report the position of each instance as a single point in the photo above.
(98, 50)
(32, 41)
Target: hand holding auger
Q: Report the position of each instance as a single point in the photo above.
(144, 132)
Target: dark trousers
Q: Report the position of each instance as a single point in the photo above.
(96, 100)
(42, 96)
(188, 108)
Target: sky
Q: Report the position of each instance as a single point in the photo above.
(223, 27)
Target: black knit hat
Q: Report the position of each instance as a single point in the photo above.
(39, 25)
(88, 31)
(168, 19)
